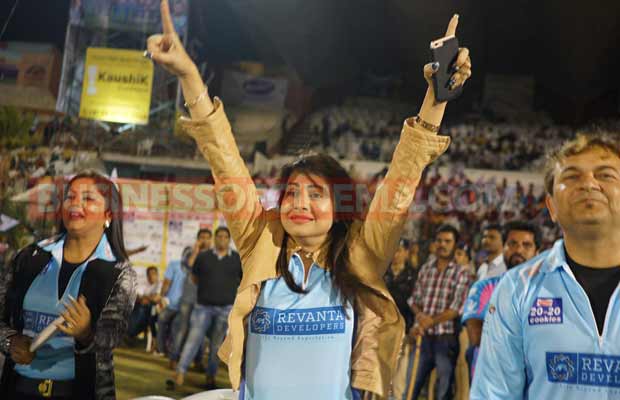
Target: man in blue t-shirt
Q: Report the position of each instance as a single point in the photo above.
(553, 324)
(187, 300)
(171, 292)
(521, 242)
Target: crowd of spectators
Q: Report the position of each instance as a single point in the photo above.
(23, 167)
(361, 130)
(468, 205)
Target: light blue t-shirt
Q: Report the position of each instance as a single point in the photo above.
(299, 345)
(541, 341)
(176, 274)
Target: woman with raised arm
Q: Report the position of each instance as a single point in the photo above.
(312, 318)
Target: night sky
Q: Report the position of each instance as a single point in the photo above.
(36, 21)
(571, 48)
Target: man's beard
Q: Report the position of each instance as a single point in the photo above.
(515, 260)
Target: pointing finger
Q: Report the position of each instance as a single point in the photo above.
(166, 19)
(454, 21)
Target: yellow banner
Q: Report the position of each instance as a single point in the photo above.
(117, 86)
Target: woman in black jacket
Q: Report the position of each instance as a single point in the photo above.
(82, 275)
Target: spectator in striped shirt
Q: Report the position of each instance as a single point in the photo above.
(438, 299)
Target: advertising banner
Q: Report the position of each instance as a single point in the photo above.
(117, 86)
(243, 89)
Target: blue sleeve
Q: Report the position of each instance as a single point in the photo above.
(500, 369)
(472, 304)
(170, 270)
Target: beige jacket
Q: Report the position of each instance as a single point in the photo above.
(258, 235)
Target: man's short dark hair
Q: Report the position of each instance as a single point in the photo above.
(448, 228)
(151, 268)
(523, 226)
(222, 229)
(492, 227)
(204, 230)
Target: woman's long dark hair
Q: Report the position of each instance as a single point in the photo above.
(110, 192)
(337, 253)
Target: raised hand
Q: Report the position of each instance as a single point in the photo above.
(431, 111)
(166, 48)
(462, 65)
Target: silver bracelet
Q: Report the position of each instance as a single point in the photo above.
(197, 100)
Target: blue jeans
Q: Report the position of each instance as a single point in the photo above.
(180, 328)
(205, 319)
(165, 329)
(440, 352)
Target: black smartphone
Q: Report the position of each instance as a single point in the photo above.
(445, 51)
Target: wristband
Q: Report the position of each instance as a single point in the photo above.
(425, 125)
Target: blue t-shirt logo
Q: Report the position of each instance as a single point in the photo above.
(302, 322)
(261, 320)
(35, 322)
(584, 369)
(561, 367)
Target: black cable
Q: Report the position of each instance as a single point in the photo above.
(6, 24)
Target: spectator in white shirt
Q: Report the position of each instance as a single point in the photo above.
(148, 296)
(492, 244)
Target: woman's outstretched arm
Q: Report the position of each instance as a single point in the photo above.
(236, 195)
(419, 145)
